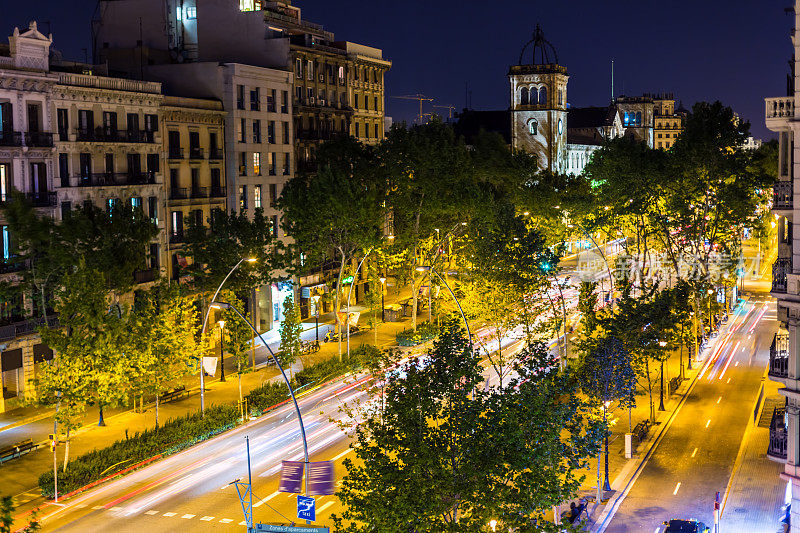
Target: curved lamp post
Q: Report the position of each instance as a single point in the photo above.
(349, 293)
(203, 330)
(223, 305)
(428, 268)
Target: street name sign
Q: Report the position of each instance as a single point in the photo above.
(272, 528)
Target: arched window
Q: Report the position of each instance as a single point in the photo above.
(560, 97)
(533, 126)
(523, 97)
(543, 96)
(639, 118)
(626, 119)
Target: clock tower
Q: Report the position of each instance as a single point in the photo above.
(539, 103)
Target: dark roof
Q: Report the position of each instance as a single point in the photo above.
(584, 136)
(590, 117)
(471, 122)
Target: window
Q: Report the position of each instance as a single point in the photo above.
(341, 75)
(358, 132)
(257, 164)
(151, 123)
(256, 131)
(366, 103)
(6, 237)
(273, 194)
(109, 164)
(63, 172)
(375, 103)
(560, 97)
(299, 93)
(109, 123)
(523, 96)
(310, 69)
(86, 167)
(243, 197)
(85, 121)
(639, 118)
(533, 126)
(66, 209)
(286, 163)
(133, 122)
(177, 225)
(112, 204)
(377, 131)
(240, 97)
(191, 13)
(543, 96)
(310, 93)
(286, 139)
(271, 101)
(659, 135)
(660, 145)
(5, 181)
(63, 124)
(271, 132)
(257, 196)
(355, 102)
(152, 164)
(255, 99)
(136, 203)
(284, 101)
(243, 163)
(152, 209)
(174, 144)
(298, 68)
(242, 130)
(154, 257)
(274, 225)
(343, 99)
(271, 163)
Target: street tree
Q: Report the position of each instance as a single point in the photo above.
(335, 215)
(238, 334)
(447, 455)
(291, 327)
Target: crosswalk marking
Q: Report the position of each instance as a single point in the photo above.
(81, 505)
(242, 523)
(151, 512)
(97, 507)
(226, 521)
(348, 450)
(265, 500)
(169, 514)
(187, 516)
(207, 518)
(325, 506)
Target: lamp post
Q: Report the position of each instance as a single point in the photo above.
(663, 344)
(221, 351)
(223, 305)
(427, 268)
(383, 301)
(606, 485)
(203, 330)
(316, 299)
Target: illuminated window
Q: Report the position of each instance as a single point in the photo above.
(6, 236)
(533, 126)
(257, 196)
(191, 13)
(247, 5)
(257, 163)
(4, 182)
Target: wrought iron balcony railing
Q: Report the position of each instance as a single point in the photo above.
(780, 274)
(779, 356)
(778, 435)
(783, 195)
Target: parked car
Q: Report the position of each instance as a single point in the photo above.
(685, 526)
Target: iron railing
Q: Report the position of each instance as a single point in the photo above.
(783, 195)
(779, 356)
(778, 435)
(780, 274)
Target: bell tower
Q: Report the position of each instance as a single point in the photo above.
(538, 91)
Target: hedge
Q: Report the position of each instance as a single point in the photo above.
(425, 332)
(261, 399)
(177, 434)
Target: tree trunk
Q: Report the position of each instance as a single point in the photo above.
(100, 421)
(650, 390)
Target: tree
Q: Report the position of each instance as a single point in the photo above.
(161, 343)
(446, 455)
(238, 333)
(7, 508)
(291, 327)
(87, 369)
(113, 242)
(335, 215)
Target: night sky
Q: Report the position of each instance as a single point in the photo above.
(732, 50)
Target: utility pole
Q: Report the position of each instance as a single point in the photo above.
(419, 97)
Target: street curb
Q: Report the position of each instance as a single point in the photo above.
(28, 420)
(611, 507)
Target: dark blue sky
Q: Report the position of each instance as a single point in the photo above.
(732, 50)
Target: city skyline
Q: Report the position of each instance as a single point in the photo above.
(442, 60)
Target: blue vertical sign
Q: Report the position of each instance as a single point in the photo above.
(306, 508)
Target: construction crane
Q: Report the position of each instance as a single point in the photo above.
(450, 109)
(419, 97)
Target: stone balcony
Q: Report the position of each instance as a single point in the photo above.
(778, 112)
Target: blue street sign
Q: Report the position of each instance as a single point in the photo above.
(306, 508)
(272, 528)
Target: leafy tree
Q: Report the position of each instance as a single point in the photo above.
(228, 238)
(88, 369)
(239, 334)
(335, 215)
(291, 327)
(161, 343)
(113, 242)
(446, 455)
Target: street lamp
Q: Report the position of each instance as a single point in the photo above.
(606, 485)
(383, 301)
(427, 268)
(221, 351)
(223, 305)
(203, 330)
(493, 524)
(663, 344)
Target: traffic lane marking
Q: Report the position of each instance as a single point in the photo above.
(678, 486)
(694, 452)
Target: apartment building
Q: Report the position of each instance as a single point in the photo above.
(784, 362)
(367, 90)
(667, 121)
(193, 137)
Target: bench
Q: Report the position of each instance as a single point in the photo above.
(641, 430)
(174, 393)
(16, 450)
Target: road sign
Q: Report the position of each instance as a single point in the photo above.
(291, 476)
(306, 508)
(272, 528)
